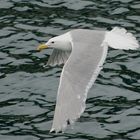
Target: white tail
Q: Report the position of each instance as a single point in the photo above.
(119, 38)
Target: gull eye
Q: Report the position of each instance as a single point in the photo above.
(52, 42)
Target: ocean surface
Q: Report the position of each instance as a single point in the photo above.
(28, 89)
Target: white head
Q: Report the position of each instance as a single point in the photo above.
(61, 42)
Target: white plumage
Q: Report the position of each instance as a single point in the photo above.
(119, 38)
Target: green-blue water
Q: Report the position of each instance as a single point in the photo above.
(28, 90)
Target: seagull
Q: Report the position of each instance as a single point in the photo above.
(83, 53)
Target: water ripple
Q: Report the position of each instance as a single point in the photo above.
(28, 89)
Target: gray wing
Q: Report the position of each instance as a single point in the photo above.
(78, 75)
(58, 57)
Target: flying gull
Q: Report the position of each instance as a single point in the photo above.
(83, 53)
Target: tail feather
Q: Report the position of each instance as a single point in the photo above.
(119, 38)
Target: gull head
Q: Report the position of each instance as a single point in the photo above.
(61, 42)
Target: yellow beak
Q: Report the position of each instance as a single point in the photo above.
(41, 47)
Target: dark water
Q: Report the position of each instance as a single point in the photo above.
(28, 90)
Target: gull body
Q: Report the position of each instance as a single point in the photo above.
(83, 53)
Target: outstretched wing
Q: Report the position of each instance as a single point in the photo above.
(78, 75)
